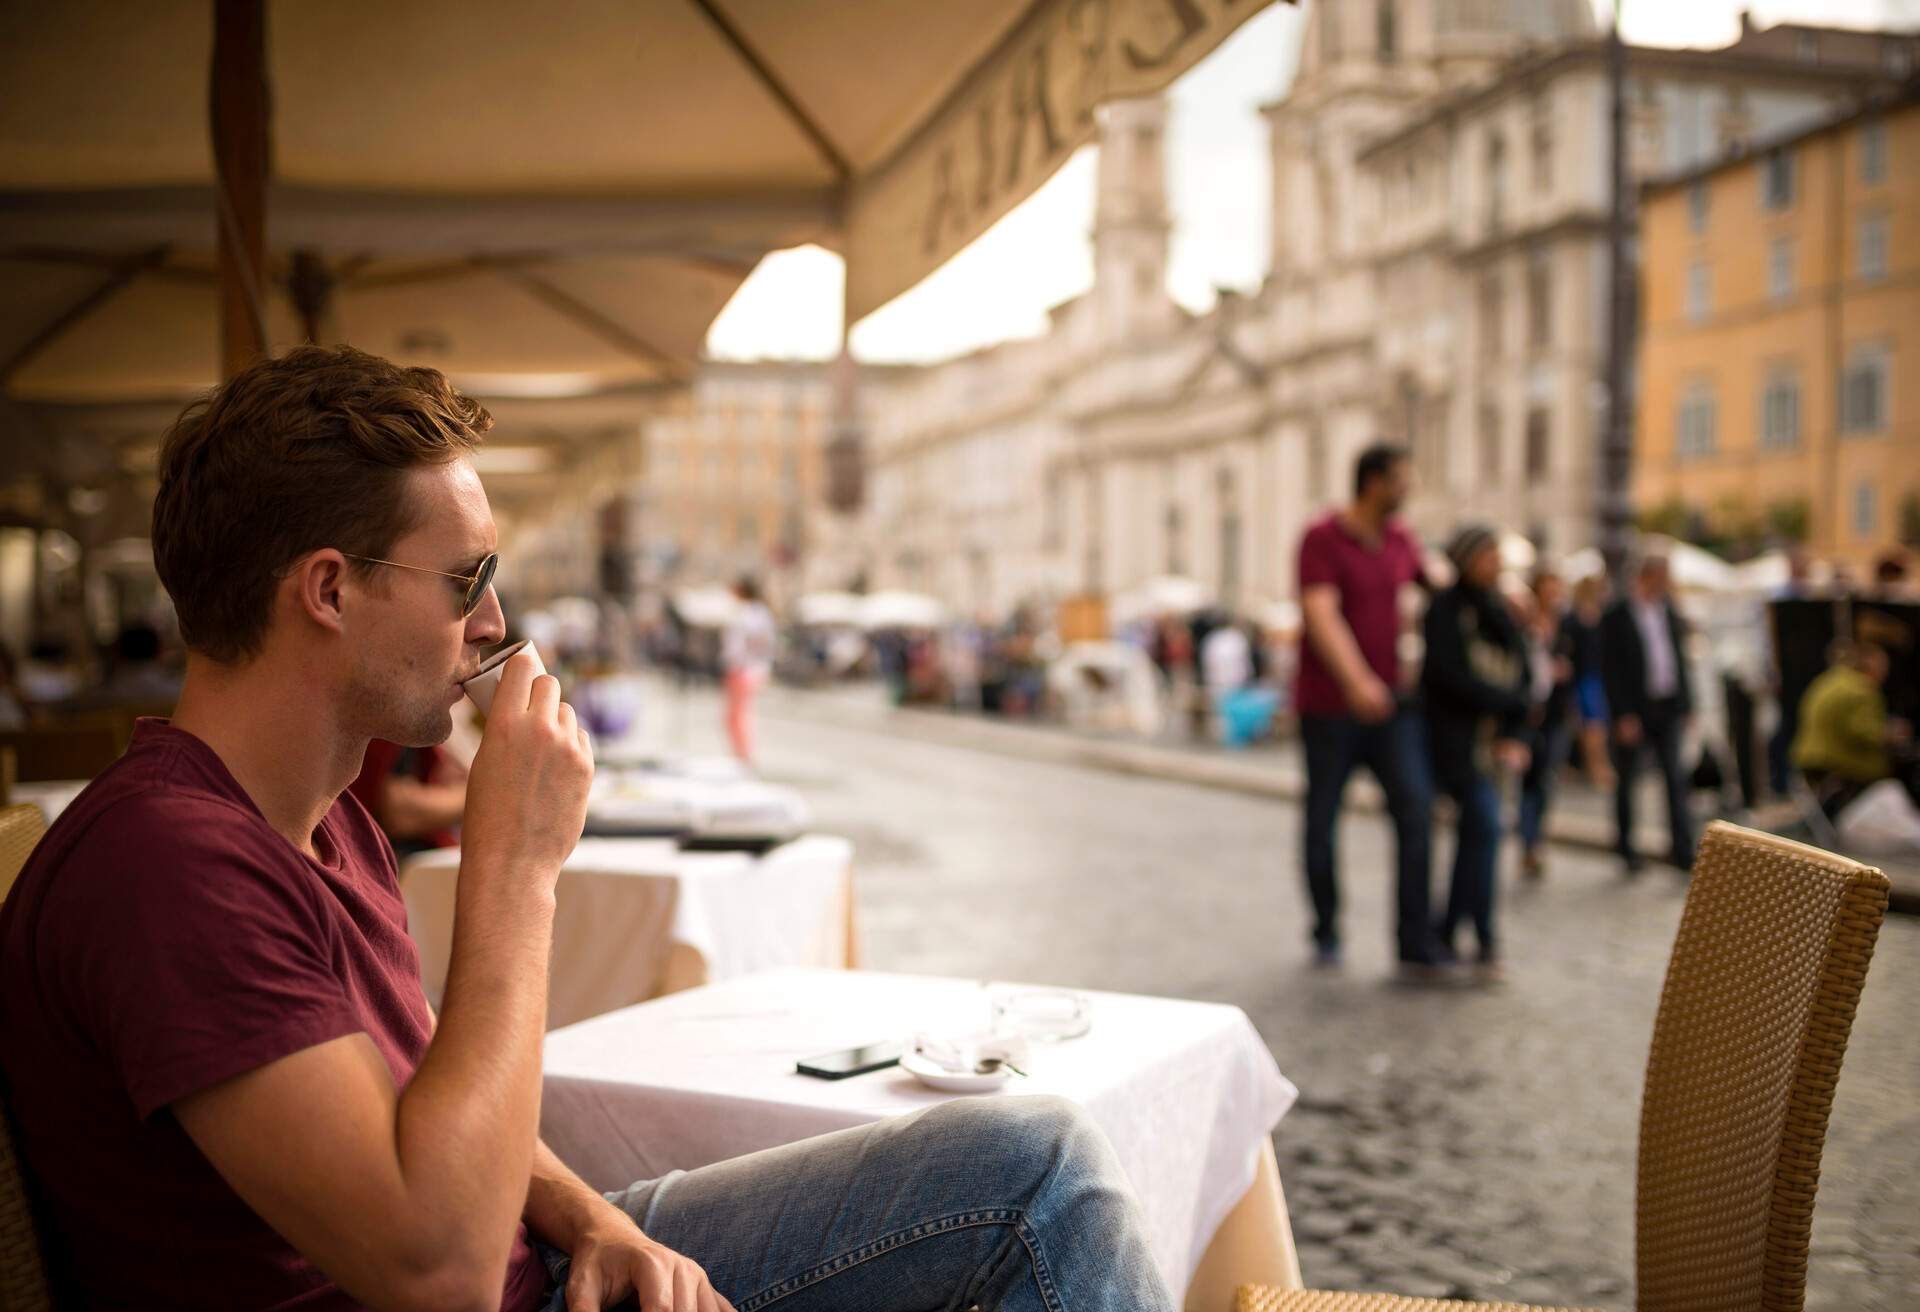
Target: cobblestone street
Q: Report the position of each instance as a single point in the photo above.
(1474, 1143)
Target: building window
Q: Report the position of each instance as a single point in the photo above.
(1539, 446)
(1780, 268)
(1863, 391)
(1496, 182)
(1776, 180)
(1699, 291)
(1329, 16)
(1865, 512)
(1387, 31)
(1490, 453)
(1492, 309)
(1780, 412)
(1872, 253)
(1176, 558)
(1900, 60)
(1806, 48)
(1539, 300)
(1694, 436)
(1316, 465)
(1873, 151)
(1697, 205)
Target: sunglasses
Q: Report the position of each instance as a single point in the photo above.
(477, 582)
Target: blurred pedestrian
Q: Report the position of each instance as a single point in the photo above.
(1852, 752)
(746, 658)
(1550, 661)
(1475, 680)
(1650, 700)
(1353, 565)
(1580, 636)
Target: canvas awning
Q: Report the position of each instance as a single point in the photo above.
(492, 186)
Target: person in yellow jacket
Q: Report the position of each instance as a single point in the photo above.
(1846, 738)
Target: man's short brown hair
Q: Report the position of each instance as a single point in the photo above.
(294, 454)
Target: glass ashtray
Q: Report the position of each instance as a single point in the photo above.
(1042, 1015)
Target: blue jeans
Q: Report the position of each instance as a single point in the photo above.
(1550, 743)
(1396, 753)
(1476, 857)
(1015, 1204)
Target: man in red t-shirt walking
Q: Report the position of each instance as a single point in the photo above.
(1354, 564)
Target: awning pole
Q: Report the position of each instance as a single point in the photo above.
(239, 109)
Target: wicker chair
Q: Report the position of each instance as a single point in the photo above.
(23, 1278)
(1759, 999)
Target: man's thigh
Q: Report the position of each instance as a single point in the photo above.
(925, 1211)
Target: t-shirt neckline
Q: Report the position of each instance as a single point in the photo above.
(331, 857)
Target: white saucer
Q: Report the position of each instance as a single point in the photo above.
(936, 1076)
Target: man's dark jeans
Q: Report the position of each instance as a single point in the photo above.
(1395, 752)
(1661, 730)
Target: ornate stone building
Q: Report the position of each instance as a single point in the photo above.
(1440, 193)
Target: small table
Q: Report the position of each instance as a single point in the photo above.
(52, 796)
(1186, 1091)
(637, 918)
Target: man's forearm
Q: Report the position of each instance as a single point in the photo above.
(469, 1119)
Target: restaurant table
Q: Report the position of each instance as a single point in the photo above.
(1186, 1091)
(637, 918)
(52, 796)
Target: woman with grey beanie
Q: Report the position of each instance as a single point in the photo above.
(1475, 682)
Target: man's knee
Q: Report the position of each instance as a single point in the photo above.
(1027, 1136)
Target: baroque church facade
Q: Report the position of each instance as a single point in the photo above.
(1439, 278)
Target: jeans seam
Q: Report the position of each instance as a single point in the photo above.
(899, 1239)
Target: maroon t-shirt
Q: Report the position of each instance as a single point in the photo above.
(1369, 579)
(163, 938)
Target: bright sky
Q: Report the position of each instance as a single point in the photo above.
(1001, 286)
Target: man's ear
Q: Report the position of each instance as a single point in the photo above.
(319, 585)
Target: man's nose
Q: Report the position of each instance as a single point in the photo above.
(487, 625)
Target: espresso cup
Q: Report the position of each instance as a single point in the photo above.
(486, 681)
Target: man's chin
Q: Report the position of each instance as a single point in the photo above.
(430, 730)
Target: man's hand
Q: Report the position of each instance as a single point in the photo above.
(1899, 733)
(1626, 730)
(1371, 700)
(527, 793)
(612, 1260)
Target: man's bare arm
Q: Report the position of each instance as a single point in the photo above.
(1333, 641)
(411, 1200)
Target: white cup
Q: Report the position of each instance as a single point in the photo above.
(482, 686)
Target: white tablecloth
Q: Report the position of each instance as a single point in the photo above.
(1187, 1091)
(52, 796)
(632, 912)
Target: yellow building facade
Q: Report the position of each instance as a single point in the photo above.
(1779, 368)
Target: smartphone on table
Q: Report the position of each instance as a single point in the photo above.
(852, 1061)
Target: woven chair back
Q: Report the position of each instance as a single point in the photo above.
(20, 830)
(1754, 1017)
(23, 1276)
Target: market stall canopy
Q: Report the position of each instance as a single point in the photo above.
(499, 188)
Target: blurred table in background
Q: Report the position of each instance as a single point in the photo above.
(52, 796)
(637, 918)
(1186, 1091)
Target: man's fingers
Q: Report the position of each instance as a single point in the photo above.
(686, 1287)
(545, 699)
(516, 678)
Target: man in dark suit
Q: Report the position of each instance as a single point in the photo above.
(1650, 700)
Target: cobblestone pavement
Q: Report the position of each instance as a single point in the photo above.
(1473, 1144)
